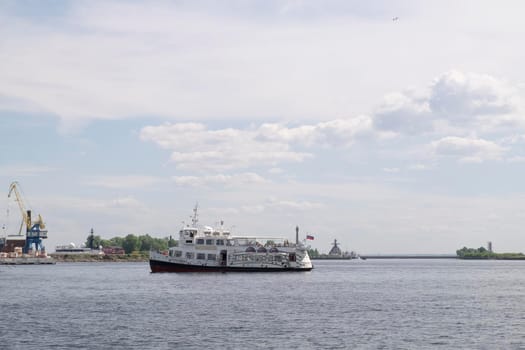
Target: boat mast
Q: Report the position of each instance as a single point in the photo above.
(194, 218)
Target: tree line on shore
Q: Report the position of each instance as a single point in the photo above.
(483, 253)
(132, 243)
(313, 253)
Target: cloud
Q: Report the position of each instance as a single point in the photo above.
(295, 205)
(516, 159)
(123, 182)
(337, 132)
(418, 167)
(275, 171)
(253, 209)
(456, 106)
(100, 206)
(125, 202)
(468, 150)
(403, 113)
(20, 170)
(219, 179)
(179, 61)
(204, 61)
(458, 96)
(195, 147)
(455, 102)
(274, 204)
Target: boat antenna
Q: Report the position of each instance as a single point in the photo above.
(194, 218)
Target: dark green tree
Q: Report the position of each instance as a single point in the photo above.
(131, 243)
(313, 253)
(97, 241)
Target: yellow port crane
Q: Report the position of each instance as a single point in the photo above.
(35, 230)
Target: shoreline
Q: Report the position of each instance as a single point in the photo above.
(100, 258)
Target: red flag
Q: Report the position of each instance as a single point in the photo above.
(311, 238)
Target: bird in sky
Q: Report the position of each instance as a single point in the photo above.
(395, 18)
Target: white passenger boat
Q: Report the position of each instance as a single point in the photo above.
(208, 249)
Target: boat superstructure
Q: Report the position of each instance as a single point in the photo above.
(210, 249)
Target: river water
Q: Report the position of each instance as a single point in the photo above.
(372, 304)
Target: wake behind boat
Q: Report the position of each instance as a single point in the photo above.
(209, 249)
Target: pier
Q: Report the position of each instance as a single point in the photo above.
(408, 256)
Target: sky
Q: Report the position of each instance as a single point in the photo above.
(391, 126)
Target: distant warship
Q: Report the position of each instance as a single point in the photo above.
(337, 253)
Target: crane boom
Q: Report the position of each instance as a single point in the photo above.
(18, 198)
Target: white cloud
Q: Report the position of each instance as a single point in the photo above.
(468, 150)
(202, 61)
(100, 206)
(455, 102)
(219, 179)
(456, 105)
(253, 209)
(516, 159)
(295, 205)
(119, 60)
(277, 205)
(275, 171)
(123, 182)
(391, 170)
(404, 112)
(459, 96)
(20, 170)
(337, 132)
(195, 147)
(125, 202)
(418, 167)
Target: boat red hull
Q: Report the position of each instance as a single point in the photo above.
(162, 266)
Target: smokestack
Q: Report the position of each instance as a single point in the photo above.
(296, 234)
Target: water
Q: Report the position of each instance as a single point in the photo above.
(372, 304)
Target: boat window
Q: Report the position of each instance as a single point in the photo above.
(219, 242)
(211, 256)
(189, 255)
(201, 256)
(209, 242)
(171, 253)
(189, 241)
(178, 253)
(200, 241)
